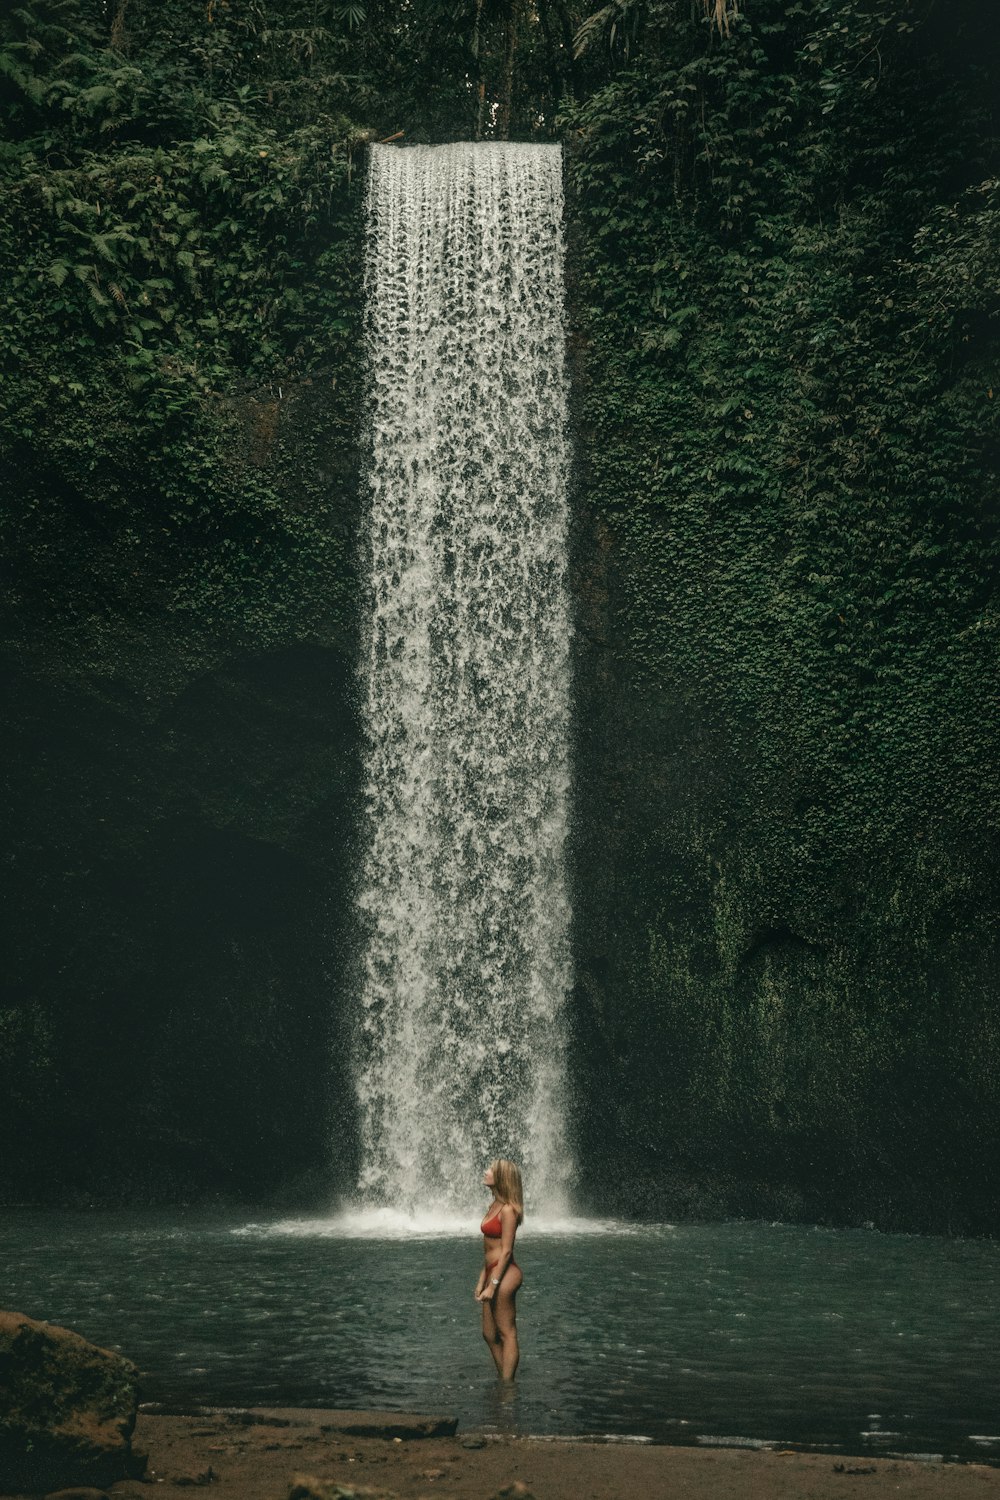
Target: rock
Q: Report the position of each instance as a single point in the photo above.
(136, 1464)
(515, 1491)
(79, 1492)
(67, 1408)
(402, 1427)
(196, 1477)
(306, 1487)
(473, 1442)
(255, 1419)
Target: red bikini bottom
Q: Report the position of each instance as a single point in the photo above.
(489, 1268)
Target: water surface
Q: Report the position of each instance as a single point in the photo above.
(737, 1332)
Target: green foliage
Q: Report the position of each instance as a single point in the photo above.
(783, 219)
(183, 263)
(788, 308)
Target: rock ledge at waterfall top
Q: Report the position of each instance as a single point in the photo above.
(67, 1408)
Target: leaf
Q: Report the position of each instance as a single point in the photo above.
(102, 245)
(589, 29)
(354, 15)
(101, 93)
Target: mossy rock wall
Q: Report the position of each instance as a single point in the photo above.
(787, 890)
(182, 812)
(784, 303)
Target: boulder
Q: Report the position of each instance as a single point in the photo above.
(307, 1487)
(79, 1492)
(67, 1408)
(398, 1428)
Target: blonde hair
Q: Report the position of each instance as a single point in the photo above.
(507, 1186)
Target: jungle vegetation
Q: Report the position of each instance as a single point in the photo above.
(784, 289)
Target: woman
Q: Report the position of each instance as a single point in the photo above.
(500, 1276)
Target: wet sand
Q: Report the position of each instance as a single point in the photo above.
(256, 1455)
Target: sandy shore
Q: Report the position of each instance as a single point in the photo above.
(255, 1455)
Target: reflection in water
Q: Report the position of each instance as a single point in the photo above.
(503, 1407)
(863, 1342)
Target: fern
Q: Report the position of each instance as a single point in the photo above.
(101, 243)
(589, 30)
(101, 93)
(25, 81)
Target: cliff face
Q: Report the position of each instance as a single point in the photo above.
(784, 301)
(764, 1027)
(183, 800)
(786, 892)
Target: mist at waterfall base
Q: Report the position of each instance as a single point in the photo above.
(845, 1339)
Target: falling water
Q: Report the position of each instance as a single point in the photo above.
(466, 677)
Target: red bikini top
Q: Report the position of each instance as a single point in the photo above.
(492, 1227)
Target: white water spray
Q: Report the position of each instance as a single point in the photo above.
(466, 678)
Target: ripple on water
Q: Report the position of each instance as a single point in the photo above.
(356, 1310)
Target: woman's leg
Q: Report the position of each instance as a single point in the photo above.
(505, 1318)
(492, 1335)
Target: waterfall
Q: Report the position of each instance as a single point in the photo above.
(466, 968)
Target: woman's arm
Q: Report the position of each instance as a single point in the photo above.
(508, 1229)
